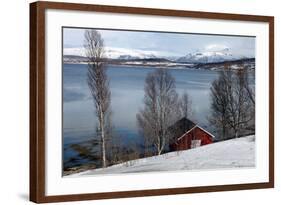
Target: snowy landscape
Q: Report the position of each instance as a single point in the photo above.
(138, 101)
(230, 154)
(211, 58)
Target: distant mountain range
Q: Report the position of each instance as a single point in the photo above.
(210, 57)
(117, 53)
(155, 58)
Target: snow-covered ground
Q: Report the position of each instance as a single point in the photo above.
(234, 153)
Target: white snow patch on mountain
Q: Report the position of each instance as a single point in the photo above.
(234, 153)
(74, 51)
(213, 53)
(123, 53)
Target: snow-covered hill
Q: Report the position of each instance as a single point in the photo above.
(129, 54)
(232, 153)
(120, 53)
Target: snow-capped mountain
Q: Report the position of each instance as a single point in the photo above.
(210, 56)
(119, 53)
(129, 54)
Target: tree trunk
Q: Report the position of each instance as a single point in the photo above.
(223, 132)
(102, 139)
(236, 133)
(159, 146)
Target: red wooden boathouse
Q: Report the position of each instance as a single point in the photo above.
(188, 135)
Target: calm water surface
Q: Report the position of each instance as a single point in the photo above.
(126, 84)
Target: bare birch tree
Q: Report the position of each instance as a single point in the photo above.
(98, 83)
(231, 107)
(240, 109)
(251, 93)
(185, 104)
(160, 109)
(219, 103)
(250, 90)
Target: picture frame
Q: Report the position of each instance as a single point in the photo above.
(40, 88)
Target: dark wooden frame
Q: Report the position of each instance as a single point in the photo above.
(37, 100)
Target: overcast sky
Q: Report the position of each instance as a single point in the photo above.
(173, 44)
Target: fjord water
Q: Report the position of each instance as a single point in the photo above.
(127, 92)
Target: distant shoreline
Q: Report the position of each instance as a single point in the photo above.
(136, 65)
(235, 65)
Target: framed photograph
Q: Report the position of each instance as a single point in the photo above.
(128, 102)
